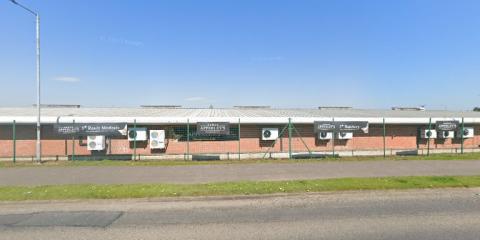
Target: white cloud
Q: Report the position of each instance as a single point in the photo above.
(268, 59)
(122, 41)
(67, 79)
(195, 99)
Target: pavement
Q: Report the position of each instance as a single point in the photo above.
(434, 214)
(32, 176)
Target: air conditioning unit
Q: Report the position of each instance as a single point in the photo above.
(325, 135)
(429, 133)
(446, 134)
(468, 132)
(137, 134)
(345, 135)
(157, 139)
(269, 134)
(96, 143)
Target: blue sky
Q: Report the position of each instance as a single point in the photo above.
(365, 54)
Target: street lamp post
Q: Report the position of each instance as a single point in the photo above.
(37, 25)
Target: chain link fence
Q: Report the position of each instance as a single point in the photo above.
(243, 141)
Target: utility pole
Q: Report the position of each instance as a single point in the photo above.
(38, 152)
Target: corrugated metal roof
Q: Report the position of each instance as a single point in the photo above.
(246, 115)
(229, 112)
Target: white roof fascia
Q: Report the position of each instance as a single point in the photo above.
(232, 120)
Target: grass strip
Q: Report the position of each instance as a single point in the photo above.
(441, 156)
(60, 192)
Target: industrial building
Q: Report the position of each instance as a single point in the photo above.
(173, 132)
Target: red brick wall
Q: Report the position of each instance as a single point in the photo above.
(397, 137)
(453, 143)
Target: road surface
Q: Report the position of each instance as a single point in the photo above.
(232, 172)
(413, 214)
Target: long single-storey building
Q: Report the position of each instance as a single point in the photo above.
(241, 132)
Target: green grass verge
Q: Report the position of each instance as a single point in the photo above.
(101, 163)
(229, 188)
(466, 156)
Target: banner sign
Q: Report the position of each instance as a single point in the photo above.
(91, 129)
(447, 125)
(341, 126)
(213, 128)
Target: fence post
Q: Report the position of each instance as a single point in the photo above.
(461, 133)
(289, 138)
(333, 139)
(135, 140)
(384, 145)
(110, 145)
(73, 143)
(188, 139)
(301, 139)
(430, 134)
(274, 142)
(14, 133)
(239, 139)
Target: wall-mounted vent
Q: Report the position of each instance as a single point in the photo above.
(421, 108)
(252, 107)
(58, 105)
(161, 106)
(334, 108)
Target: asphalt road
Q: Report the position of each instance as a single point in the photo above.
(413, 214)
(232, 172)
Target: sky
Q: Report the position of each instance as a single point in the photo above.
(280, 53)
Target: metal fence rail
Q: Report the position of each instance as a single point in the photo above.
(184, 142)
